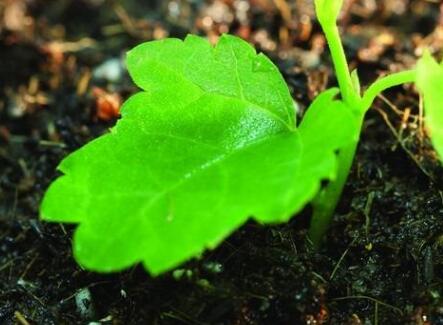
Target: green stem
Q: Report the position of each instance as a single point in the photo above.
(389, 81)
(327, 200)
(349, 94)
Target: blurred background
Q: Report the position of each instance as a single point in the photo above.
(62, 71)
(48, 47)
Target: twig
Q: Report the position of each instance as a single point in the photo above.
(391, 105)
(341, 258)
(367, 211)
(376, 313)
(6, 265)
(421, 128)
(20, 318)
(43, 143)
(49, 144)
(379, 302)
(28, 267)
(400, 141)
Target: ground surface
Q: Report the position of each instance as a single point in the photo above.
(61, 83)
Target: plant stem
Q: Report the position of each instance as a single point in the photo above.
(327, 200)
(343, 74)
(384, 83)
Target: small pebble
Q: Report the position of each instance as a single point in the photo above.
(16, 107)
(83, 301)
(111, 70)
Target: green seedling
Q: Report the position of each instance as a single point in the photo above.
(210, 141)
(430, 83)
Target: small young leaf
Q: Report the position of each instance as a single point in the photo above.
(430, 83)
(327, 11)
(356, 81)
(209, 143)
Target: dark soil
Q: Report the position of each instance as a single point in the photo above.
(382, 261)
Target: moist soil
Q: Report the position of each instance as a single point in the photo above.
(61, 84)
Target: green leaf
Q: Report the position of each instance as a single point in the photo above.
(430, 83)
(210, 143)
(235, 71)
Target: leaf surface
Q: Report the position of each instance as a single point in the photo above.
(231, 68)
(209, 143)
(430, 83)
